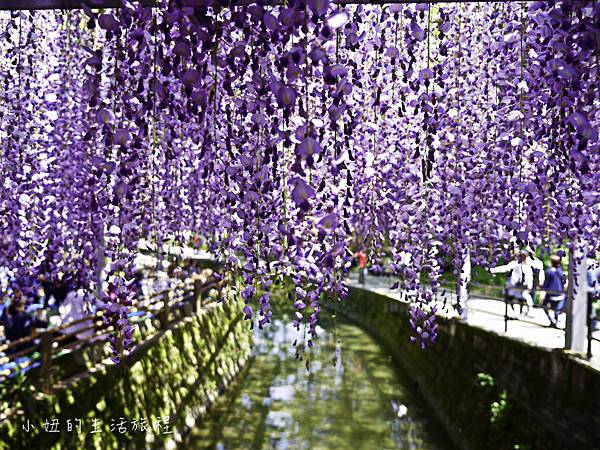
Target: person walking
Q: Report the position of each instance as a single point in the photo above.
(19, 324)
(537, 267)
(76, 306)
(55, 291)
(520, 283)
(362, 266)
(554, 284)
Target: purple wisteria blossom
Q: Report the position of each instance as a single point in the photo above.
(285, 137)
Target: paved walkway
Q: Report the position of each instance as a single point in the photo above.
(489, 314)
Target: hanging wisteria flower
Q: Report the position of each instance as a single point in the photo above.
(308, 147)
(302, 193)
(328, 223)
(286, 137)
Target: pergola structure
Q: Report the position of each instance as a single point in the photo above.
(75, 4)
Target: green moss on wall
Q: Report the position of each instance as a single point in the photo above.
(175, 374)
(538, 399)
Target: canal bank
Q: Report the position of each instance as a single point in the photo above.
(489, 391)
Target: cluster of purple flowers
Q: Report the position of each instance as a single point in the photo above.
(287, 136)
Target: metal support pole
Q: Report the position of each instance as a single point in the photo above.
(505, 311)
(590, 329)
(577, 299)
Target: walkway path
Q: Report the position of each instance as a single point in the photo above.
(489, 314)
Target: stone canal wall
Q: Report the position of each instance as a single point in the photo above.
(489, 391)
(175, 374)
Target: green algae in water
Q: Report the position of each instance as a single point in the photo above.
(352, 398)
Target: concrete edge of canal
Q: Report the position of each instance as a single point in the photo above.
(488, 391)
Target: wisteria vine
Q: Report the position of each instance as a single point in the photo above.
(288, 136)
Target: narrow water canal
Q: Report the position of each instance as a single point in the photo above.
(352, 398)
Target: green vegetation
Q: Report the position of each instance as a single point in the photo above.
(174, 375)
(497, 407)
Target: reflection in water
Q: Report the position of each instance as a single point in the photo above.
(352, 398)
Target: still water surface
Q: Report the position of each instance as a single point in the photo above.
(353, 397)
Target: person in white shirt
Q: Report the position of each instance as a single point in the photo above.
(537, 266)
(75, 307)
(521, 276)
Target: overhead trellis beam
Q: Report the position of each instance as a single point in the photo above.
(15, 5)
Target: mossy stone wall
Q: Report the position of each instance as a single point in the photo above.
(489, 391)
(176, 374)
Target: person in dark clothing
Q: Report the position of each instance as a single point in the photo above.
(58, 289)
(18, 324)
(555, 282)
(52, 285)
